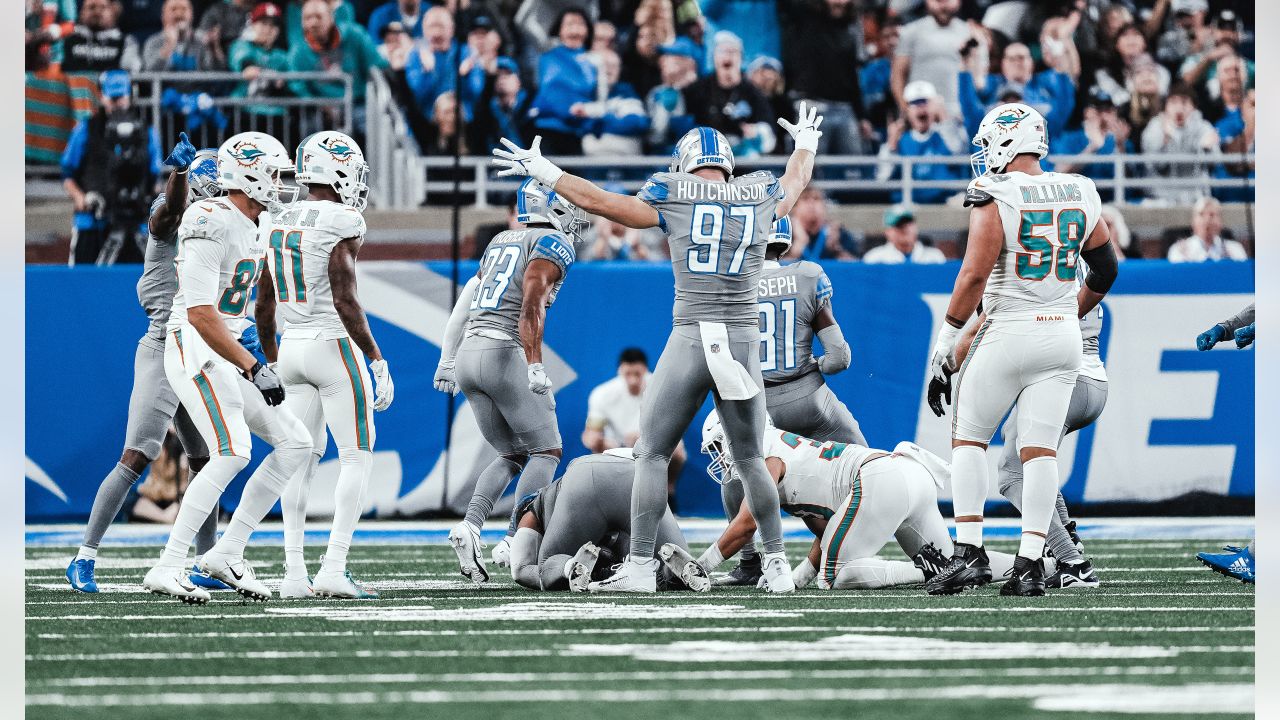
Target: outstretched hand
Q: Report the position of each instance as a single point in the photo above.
(518, 161)
(804, 132)
(182, 154)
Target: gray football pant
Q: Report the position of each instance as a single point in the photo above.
(678, 387)
(1087, 402)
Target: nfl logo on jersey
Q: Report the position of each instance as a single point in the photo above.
(715, 347)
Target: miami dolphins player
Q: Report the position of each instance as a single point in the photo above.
(498, 364)
(227, 392)
(716, 226)
(311, 250)
(152, 403)
(795, 305)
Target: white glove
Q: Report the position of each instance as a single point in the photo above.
(383, 389)
(538, 380)
(804, 132)
(526, 162)
(804, 574)
(942, 350)
(445, 380)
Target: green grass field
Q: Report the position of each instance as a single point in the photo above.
(1162, 636)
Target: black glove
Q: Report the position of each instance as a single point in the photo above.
(268, 383)
(938, 389)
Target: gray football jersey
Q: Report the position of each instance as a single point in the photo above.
(790, 298)
(159, 279)
(717, 233)
(497, 302)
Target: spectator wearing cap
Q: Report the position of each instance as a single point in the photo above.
(96, 43)
(902, 241)
(878, 105)
(1050, 92)
(920, 134)
(503, 109)
(178, 47)
(1200, 70)
(929, 50)
(1128, 57)
(1179, 129)
(765, 74)
(333, 48)
(1189, 33)
(1206, 242)
(396, 46)
(1102, 132)
(820, 56)
(566, 77)
(484, 45)
(224, 21)
(755, 21)
(816, 235)
(669, 116)
(430, 71)
(409, 13)
(617, 124)
(255, 57)
(724, 100)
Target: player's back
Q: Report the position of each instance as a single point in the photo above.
(496, 305)
(299, 241)
(814, 482)
(717, 233)
(790, 298)
(215, 237)
(1046, 220)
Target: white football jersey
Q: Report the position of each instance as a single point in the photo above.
(1046, 220)
(817, 477)
(298, 242)
(219, 261)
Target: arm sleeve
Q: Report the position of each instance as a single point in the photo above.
(74, 152)
(201, 270)
(838, 355)
(457, 322)
(823, 291)
(1239, 320)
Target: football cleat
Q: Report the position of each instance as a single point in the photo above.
(579, 568)
(775, 574)
(236, 572)
(501, 554)
(334, 584)
(1080, 575)
(682, 565)
(969, 567)
(1026, 579)
(930, 560)
(1075, 536)
(299, 589)
(632, 577)
(1236, 562)
(175, 582)
(201, 580)
(80, 575)
(746, 573)
(466, 544)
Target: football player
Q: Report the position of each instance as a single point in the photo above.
(227, 392)
(1027, 229)
(311, 251)
(499, 361)
(716, 226)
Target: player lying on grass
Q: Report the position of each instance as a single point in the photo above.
(854, 499)
(568, 531)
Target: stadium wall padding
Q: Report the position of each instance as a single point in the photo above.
(1177, 421)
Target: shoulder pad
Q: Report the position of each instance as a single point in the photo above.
(554, 246)
(656, 189)
(979, 192)
(347, 223)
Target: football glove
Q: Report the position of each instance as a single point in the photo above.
(940, 362)
(518, 161)
(383, 389)
(445, 380)
(538, 380)
(1211, 337)
(804, 132)
(182, 155)
(940, 388)
(268, 383)
(1244, 336)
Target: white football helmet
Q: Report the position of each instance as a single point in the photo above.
(780, 234)
(702, 147)
(251, 162)
(202, 176)
(332, 158)
(537, 203)
(716, 447)
(1008, 130)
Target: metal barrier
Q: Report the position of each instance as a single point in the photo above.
(397, 180)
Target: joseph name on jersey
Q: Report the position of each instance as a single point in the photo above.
(717, 232)
(1046, 220)
(218, 262)
(496, 305)
(818, 475)
(791, 296)
(298, 242)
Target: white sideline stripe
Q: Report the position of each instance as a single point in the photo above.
(636, 676)
(1195, 698)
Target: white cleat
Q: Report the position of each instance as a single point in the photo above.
(175, 582)
(300, 589)
(631, 577)
(776, 574)
(236, 572)
(580, 567)
(466, 544)
(501, 554)
(682, 565)
(335, 584)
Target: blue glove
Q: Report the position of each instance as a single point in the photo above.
(1244, 336)
(180, 159)
(249, 340)
(1211, 337)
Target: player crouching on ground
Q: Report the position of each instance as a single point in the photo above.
(854, 499)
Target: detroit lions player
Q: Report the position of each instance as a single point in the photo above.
(152, 404)
(716, 225)
(311, 250)
(227, 392)
(1027, 229)
(499, 361)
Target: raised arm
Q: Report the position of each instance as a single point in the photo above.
(805, 134)
(165, 219)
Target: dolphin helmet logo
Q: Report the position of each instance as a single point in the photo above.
(338, 149)
(246, 154)
(1010, 119)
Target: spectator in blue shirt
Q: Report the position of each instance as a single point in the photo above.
(923, 133)
(566, 78)
(430, 71)
(819, 237)
(874, 78)
(502, 111)
(408, 13)
(755, 21)
(669, 116)
(1050, 92)
(1236, 131)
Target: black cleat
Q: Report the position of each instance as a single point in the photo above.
(745, 573)
(1075, 536)
(930, 560)
(1026, 579)
(969, 567)
(1080, 575)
